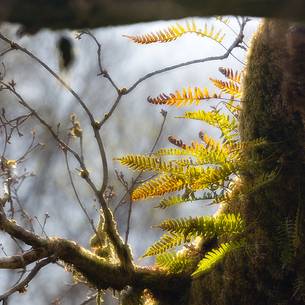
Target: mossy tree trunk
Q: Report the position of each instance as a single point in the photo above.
(270, 269)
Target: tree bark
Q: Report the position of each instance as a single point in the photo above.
(74, 14)
(270, 269)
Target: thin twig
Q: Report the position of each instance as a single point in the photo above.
(164, 115)
(102, 72)
(235, 44)
(81, 205)
(21, 287)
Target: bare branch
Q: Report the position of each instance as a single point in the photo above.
(129, 190)
(20, 287)
(236, 43)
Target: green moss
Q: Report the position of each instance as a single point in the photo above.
(256, 274)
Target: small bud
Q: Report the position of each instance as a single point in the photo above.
(123, 91)
(84, 173)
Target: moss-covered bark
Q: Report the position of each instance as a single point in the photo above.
(270, 269)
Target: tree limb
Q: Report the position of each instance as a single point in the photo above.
(96, 269)
(37, 14)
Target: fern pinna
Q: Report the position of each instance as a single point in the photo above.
(206, 169)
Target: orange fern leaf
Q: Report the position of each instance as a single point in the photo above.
(176, 31)
(183, 98)
(229, 73)
(229, 87)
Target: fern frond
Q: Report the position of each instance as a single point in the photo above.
(225, 20)
(175, 262)
(174, 200)
(158, 187)
(229, 87)
(170, 201)
(174, 32)
(215, 256)
(204, 226)
(186, 97)
(149, 163)
(229, 74)
(166, 242)
(285, 237)
(227, 124)
(215, 176)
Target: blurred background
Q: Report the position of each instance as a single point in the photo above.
(46, 194)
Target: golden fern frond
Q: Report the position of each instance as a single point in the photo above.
(231, 75)
(229, 87)
(158, 187)
(149, 163)
(174, 32)
(204, 226)
(186, 97)
(167, 241)
(215, 256)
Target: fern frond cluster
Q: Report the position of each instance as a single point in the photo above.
(206, 169)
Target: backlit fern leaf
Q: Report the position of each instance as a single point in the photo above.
(173, 32)
(158, 186)
(227, 124)
(215, 176)
(173, 200)
(170, 201)
(166, 242)
(175, 262)
(229, 87)
(149, 163)
(215, 256)
(186, 97)
(204, 226)
(229, 74)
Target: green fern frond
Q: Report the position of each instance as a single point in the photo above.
(261, 181)
(175, 262)
(204, 226)
(227, 124)
(149, 163)
(166, 242)
(229, 87)
(186, 97)
(214, 176)
(174, 32)
(170, 201)
(215, 256)
(158, 187)
(286, 237)
(174, 200)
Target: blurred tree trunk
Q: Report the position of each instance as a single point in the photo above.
(74, 14)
